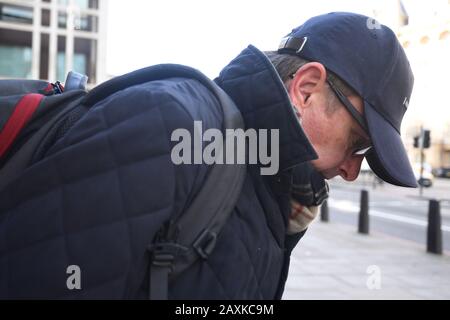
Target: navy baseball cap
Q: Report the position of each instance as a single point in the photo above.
(369, 58)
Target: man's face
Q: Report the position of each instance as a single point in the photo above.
(333, 132)
(335, 135)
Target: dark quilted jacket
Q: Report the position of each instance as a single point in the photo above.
(103, 190)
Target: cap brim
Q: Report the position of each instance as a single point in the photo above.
(388, 157)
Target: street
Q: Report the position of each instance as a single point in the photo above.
(334, 262)
(395, 211)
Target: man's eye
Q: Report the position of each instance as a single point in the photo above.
(361, 143)
(358, 143)
(355, 142)
(360, 146)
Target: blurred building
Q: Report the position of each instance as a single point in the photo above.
(426, 39)
(428, 48)
(44, 39)
(423, 28)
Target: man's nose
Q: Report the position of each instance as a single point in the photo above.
(349, 169)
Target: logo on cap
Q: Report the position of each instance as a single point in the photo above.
(406, 103)
(303, 44)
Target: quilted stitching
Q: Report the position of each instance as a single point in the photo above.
(107, 186)
(85, 223)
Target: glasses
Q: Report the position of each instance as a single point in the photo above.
(359, 149)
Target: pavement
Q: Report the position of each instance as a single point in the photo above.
(394, 211)
(440, 189)
(334, 262)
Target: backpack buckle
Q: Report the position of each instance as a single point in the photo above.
(205, 243)
(163, 254)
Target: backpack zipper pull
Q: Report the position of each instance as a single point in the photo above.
(58, 88)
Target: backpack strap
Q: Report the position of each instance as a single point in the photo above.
(22, 158)
(193, 235)
(35, 118)
(22, 113)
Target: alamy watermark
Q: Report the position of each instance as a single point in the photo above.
(74, 279)
(374, 279)
(231, 149)
(371, 24)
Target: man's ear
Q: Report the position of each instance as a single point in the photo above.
(308, 80)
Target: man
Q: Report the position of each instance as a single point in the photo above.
(108, 185)
(375, 99)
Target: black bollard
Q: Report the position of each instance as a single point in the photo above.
(324, 212)
(363, 223)
(434, 234)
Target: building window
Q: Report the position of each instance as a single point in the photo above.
(15, 53)
(44, 57)
(81, 4)
(62, 20)
(87, 4)
(45, 18)
(16, 14)
(84, 59)
(82, 22)
(61, 59)
(85, 22)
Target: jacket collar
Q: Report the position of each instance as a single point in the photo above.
(255, 87)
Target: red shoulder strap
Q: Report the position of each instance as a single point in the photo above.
(23, 111)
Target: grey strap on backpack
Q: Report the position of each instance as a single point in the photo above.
(193, 235)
